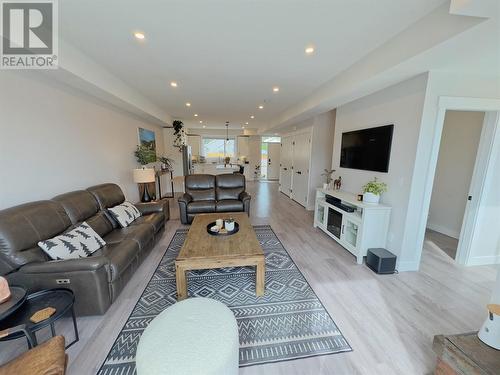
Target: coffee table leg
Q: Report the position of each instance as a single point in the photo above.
(180, 278)
(260, 278)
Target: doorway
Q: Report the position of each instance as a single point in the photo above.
(452, 180)
(270, 158)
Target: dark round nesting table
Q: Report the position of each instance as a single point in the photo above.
(17, 298)
(60, 299)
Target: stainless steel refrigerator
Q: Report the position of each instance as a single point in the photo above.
(187, 160)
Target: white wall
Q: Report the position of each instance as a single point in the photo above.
(400, 105)
(54, 139)
(323, 131)
(485, 248)
(451, 84)
(457, 155)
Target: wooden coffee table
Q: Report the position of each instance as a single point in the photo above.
(203, 251)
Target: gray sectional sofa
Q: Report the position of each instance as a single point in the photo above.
(96, 280)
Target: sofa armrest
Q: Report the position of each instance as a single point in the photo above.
(67, 265)
(183, 203)
(186, 198)
(152, 207)
(244, 196)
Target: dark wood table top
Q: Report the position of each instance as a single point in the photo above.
(17, 298)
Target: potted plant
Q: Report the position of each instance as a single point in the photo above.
(167, 164)
(144, 155)
(329, 178)
(180, 138)
(372, 191)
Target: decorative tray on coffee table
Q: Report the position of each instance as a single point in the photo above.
(223, 232)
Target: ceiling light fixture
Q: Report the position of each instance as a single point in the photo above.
(246, 123)
(204, 126)
(188, 104)
(252, 117)
(139, 35)
(276, 89)
(201, 122)
(310, 50)
(195, 115)
(243, 127)
(261, 106)
(173, 84)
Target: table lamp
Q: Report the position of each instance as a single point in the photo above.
(144, 176)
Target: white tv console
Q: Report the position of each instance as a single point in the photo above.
(356, 231)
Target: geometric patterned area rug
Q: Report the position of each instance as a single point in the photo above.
(288, 322)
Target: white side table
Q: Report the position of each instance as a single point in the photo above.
(195, 336)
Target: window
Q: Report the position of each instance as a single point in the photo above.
(271, 139)
(213, 148)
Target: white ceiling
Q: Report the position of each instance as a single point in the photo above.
(226, 55)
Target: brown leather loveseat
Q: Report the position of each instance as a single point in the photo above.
(96, 280)
(206, 193)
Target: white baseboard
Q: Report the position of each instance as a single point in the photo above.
(407, 266)
(447, 231)
(484, 260)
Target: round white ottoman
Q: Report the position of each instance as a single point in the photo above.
(195, 336)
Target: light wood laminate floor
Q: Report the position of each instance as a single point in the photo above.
(388, 320)
(442, 242)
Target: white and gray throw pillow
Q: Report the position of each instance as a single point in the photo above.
(125, 213)
(79, 242)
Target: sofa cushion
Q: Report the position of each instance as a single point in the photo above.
(124, 213)
(201, 187)
(107, 195)
(229, 186)
(121, 255)
(79, 242)
(79, 205)
(156, 220)
(201, 207)
(142, 234)
(100, 223)
(22, 227)
(229, 205)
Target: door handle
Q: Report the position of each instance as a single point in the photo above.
(343, 229)
(299, 172)
(285, 169)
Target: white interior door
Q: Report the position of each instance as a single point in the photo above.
(301, 158)
(286, 166)
(273, 161)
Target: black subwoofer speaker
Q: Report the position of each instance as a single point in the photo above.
(381, 261)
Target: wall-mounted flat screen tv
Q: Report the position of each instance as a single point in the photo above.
(367, 149)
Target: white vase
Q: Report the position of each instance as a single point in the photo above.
(371, 198)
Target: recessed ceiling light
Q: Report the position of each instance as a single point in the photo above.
(195, 115)
(261, 106)
(204, 126)
(188, 104)
(243, 127)
(201, 122)
(139, 35)
(246, 123)
(252, 116)
(276, 89)
(310, 50)
(173, 84)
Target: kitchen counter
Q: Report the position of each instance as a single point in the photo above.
(215, 169)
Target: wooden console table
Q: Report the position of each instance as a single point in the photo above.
(465, 354)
